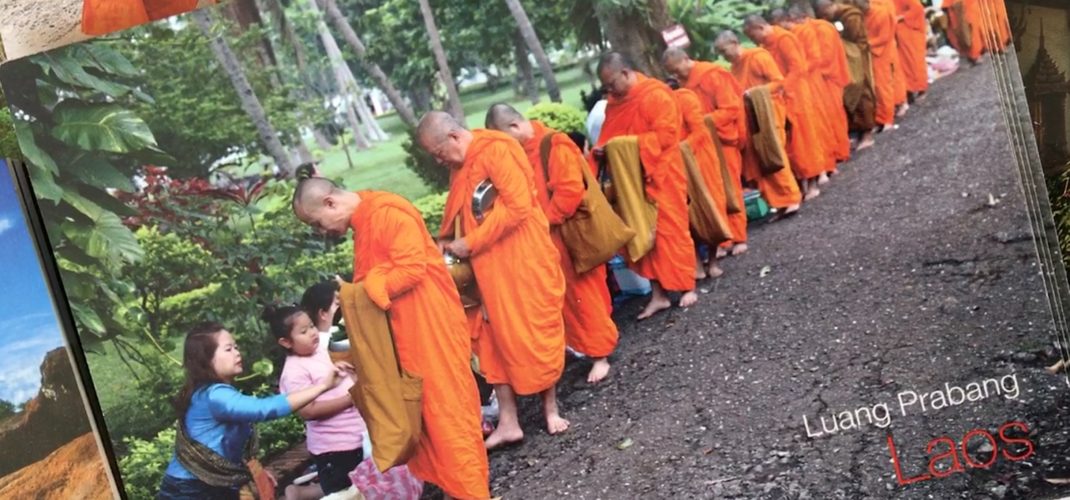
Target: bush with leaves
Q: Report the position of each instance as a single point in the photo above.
(431, 207)
(143, 465)
(704, 19)
(9, 144)
(436, 176)
(560, 117)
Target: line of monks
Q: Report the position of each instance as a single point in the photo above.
(821, 78)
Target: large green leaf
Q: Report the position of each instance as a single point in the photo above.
(70, 70)
(44, 186)
(83, 204)
(106, 201)
(110, 237)
(32, 153)
(89, 319)
(110, 60)
(99, 172)
(104, 127)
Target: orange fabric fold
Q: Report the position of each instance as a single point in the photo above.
(588, 310)
(516, 265)
(649, 112)
(393, 250)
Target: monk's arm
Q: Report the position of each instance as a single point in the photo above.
(728, 107)
(796, 63)
(770, 72)
(406, 262)
(662, 114)
(507, 168)
(914, 16)
(566, 179)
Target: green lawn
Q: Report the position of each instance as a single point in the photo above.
(383, 166)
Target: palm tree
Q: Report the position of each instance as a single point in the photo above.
(453, 104)
(249, 102)
(532, 40)
(405, 112)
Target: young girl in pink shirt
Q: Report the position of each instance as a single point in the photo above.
(334, 428)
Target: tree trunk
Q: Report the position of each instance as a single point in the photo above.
(347, 84)
(408, 117)
(246, 96)
(532, 40)
(321, 138)
(630, 34)
(523, 69)
(421, 98)
(453, 98)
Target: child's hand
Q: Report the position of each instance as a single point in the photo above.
(331, 380)
(346, 367)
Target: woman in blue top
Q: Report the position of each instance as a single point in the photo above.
(210, 451)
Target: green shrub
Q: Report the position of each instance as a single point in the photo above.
(143, 465)
(431, 207)
(560, 117)
(436, 176)
(9, 144)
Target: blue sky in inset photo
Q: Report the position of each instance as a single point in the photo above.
(28, 324)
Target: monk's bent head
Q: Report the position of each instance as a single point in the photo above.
(323, 205)
(799, 13)
(826, 9)
(505, 118)
(727, 44)
(861, 4)
(779, 17)
(756, 28)
(677, 63)
(444, 138)
(616, 73)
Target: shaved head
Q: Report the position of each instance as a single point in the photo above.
(614, 61)
(726, 36)
(435, 126)
(754, 21)
(727, 44)
(501, 115)
(778, 16)
(674, 55)
(799, 13)
(443, 137)
(310, 192)
(824, 8)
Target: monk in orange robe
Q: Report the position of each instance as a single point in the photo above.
(751, 68)
(880, 27)
(404, 273)
(694, 132)
(829, 59)
(964, 29)
(859, 96)
(806, 150)
(645, 107)
(910, 39)
(515, 263)
(820, 53)
(722, 99)
(589, 327)
(993, 15)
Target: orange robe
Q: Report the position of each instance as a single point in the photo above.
(100, 17)
(810, 40)
(589, 326)
(515, 263)
(996, 25)
(697, 135)
(880, 26)
(968, 20)
(910, 38)
(756, 67)
(806, 148)
(404, 273)
(830, 60)
(649, 112)
(722, 98)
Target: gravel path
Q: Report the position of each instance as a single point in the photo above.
(915, 268)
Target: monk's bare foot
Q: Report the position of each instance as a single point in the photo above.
(688, 299)
(902, 110)
(812, 193)
(1056, 368)
(867, 141)
(653, 307)
(739, 249)
(700, 273)
(722, 252)
(714, 271)
(555, 424)
(598, 371)
(791, 209)
(822, 179)
(503, 436)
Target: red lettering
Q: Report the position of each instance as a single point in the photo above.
(898, 470)
(951, 447)
(966, 453)
(1022, 441)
